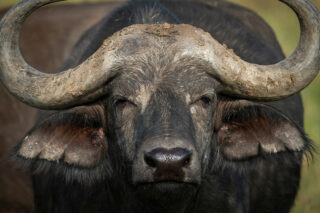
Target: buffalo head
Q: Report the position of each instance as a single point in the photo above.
(149, 97)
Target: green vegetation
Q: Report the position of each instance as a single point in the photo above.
(286, 26)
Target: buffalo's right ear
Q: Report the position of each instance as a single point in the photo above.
(74, 137)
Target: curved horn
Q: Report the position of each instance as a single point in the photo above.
(85, 82)
(273, 82)
(46, 91)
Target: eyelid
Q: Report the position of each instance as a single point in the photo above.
(116, 98)
(209, 95)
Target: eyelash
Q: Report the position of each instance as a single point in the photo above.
(121, 102)
(205, 100)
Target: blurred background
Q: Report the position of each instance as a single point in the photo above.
(286, 26)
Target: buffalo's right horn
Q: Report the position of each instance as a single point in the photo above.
(47, 91)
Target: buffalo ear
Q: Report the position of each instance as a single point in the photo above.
(252, 130)
(65, 138)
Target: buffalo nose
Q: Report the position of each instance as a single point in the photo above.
(168, 163)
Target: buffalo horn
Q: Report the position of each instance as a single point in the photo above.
(47, 91)
(277, 81)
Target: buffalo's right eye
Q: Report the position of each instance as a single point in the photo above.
(121, 102)
(124, 106)
(125, 110)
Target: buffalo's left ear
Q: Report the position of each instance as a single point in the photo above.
(73, 137)
(245, 130)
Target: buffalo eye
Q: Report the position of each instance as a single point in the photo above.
(205, 101)
(121, 103)
(124, 107)
(202, 105)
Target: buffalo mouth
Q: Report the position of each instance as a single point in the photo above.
(166, 191)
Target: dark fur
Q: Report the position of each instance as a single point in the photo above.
(261, 183)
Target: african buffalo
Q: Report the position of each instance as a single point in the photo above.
(150, 113)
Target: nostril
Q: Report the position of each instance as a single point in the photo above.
(172, 158)
(150, 161)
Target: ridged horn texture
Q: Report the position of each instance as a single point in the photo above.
(87, 81)
(47, 91)
(277, 81)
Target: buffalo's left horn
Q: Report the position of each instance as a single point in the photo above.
(273, 82)
(46, 91)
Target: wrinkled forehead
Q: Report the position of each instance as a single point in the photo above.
(155, 57)
(160, 72)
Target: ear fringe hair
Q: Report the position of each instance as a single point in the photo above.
(69, 173)
(219, 162)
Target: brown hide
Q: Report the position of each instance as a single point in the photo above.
(46, 41)
(47, 38)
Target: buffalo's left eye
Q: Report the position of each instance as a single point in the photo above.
(201, 105)
(205, 101)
